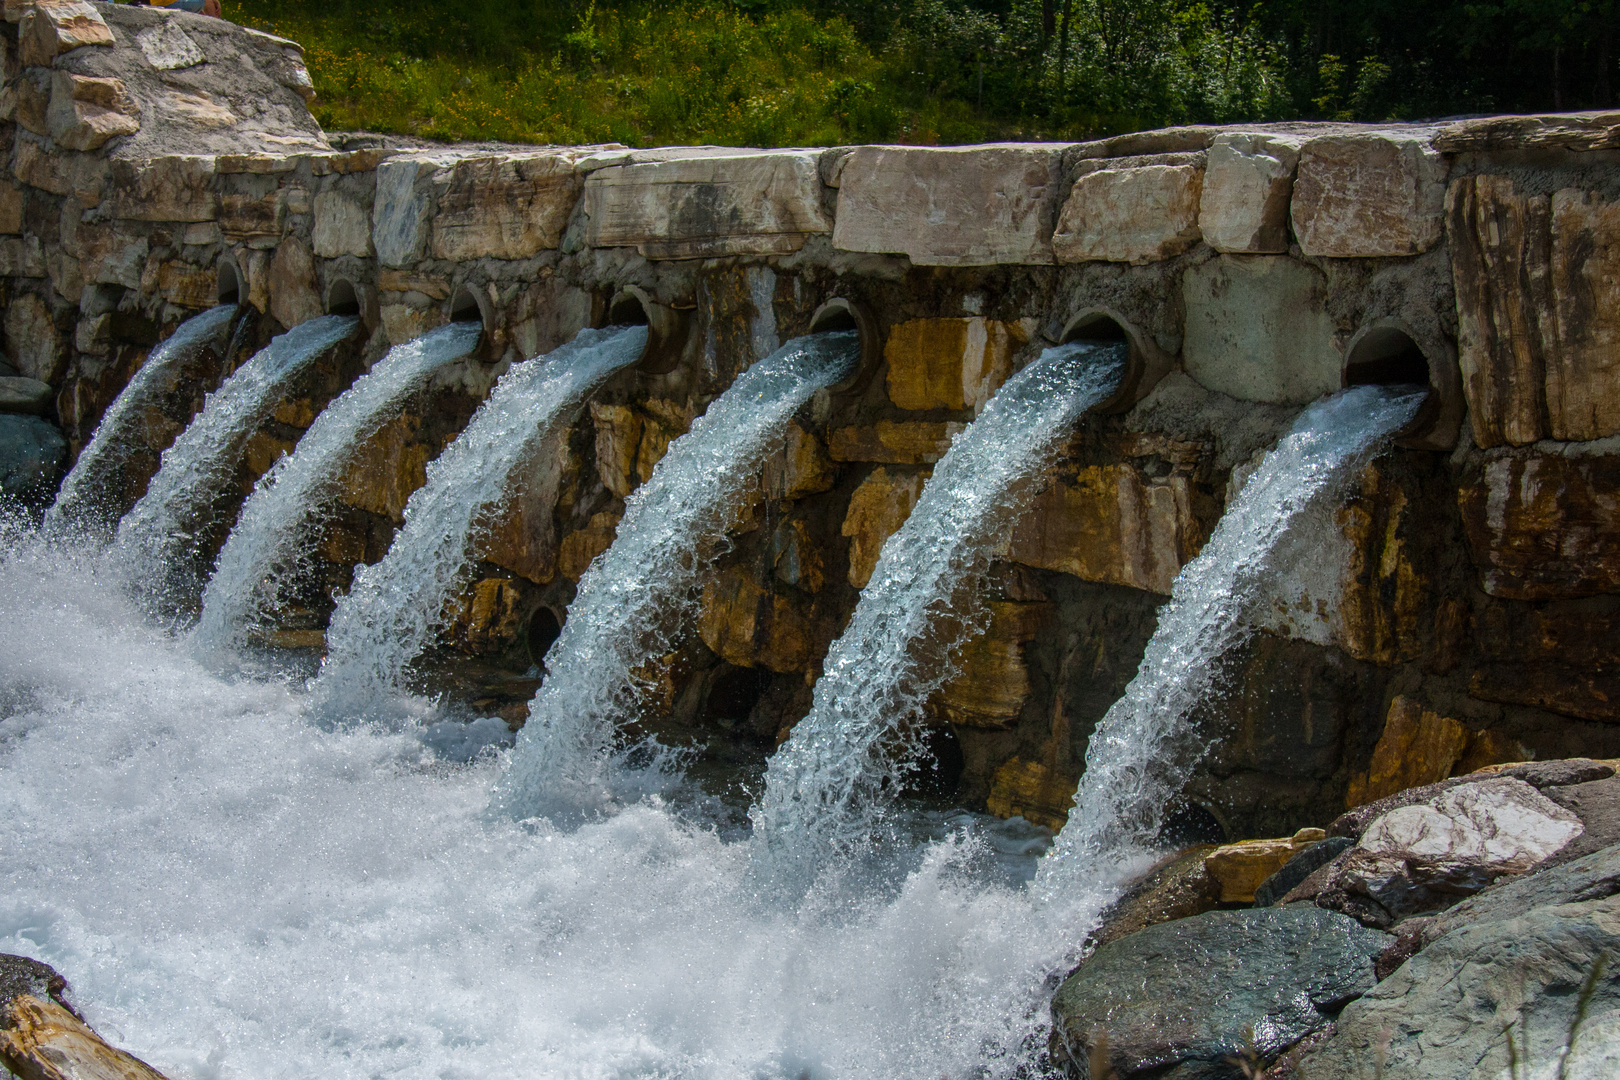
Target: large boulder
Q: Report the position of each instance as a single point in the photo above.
(1193, 994)
(32, 453)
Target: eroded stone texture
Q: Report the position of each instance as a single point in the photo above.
(801, 467)
(1179, 887)
(487, 616)
(1561, 656)
(178, 188)
(742, 204)
(387, 468)
(1134, 215)
(950, 363)
(968, 206)
(342, 226)
(1583, 372)
(49, 28)
(1239, 869)
(890, 442)
(508, 207)
(992, 680)
(1258, 329)
(1358, 196)
(402, 209)
(1418, 747)
(747, 624)
(1247, 183)
(32, 340)
(877, 508)
(85, 112)
(293, 298)
(42, 1040)
(580, 547)
(1037, 791)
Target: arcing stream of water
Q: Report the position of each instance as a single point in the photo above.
(826, 783)
(636, 597)
(160, 535)
(271, 539)
(390, 614)
(89, 492)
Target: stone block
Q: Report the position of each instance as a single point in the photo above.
(580, 547)
(32, 340)
(1132, 215)
(110, 257)
(796, 558)
(1239, 869)
(1417, 747)
(1034, 791)
(800, 468)
(1258, 329)
(1583, 373)
(876, 509)
(21, 256)
(1366, 195)
(387, 468)
(890, 442)
(951, 206)
(167, 47)
(293, 296)
(85, 112)
(50, 28)
(618, 440)
(256, 164)
(175, 188)
(751, 626)
(244, 219)
(428, 288)
(28, 100)
(180, 283)
(342, 227)
(992, 680)
(86, 177)
(402, 209)
(509, 207)
(1247, 184)
(19, 394)
(1516, 134)
(65, 273)
(487, 616)
(1110, 523)
(1543, 526)
(950, 363)
(699, 207)
(402, 322)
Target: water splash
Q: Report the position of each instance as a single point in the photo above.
(91, 494)
(267, 549)
(160, 536)
(390, 614)
(636, 597)
(825, 786)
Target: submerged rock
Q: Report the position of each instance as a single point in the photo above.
(19, 394)
(1178, 887)
(1195, 993)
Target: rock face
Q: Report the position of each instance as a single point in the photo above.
(1240, 869)
(1247, 185)
(1189, 993)
(32, 453)
(1258, 330)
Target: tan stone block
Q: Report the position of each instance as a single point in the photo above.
(699, 207)
(110, 257)
(507, 207)
(66, 275)
(83, 176)
(342, 226)
(344, 544)
(387, 468)
(29, 101)
(175, 188)
(1240, 868)
(245, 218)
(1109, 523)
(256, 164)
(196, 108)
(293, 297)
(800, 468)
(487, 616)
(403, 281)
(402, 322)
(1037, 792)
(524, 538)
(1583, 373)
(950, 206)
(1359, 196)
(580, 547)
(1247, 184)
(663, 422)
(351, 161)
(32, 340)
(1500, 247)
(1543, 526)
(878, 507)
(1516, 134)
(180, 283)
(1418, 747)
(752, 626)
(618, 440)
(1258, 329)
(1132, 215)
(950, 363)
(992, 680)
(22, 256)
(52, 27)
(263, 450)
(889, 442)
(85, 112)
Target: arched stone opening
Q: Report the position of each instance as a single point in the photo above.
(841, 313)
(666, 328)
(542, 632)
(1145, 362)
(342, 299)
(227, 283)
(1388, 352)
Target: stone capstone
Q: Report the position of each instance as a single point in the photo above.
(1583, 372)
(971, 206)
(1248, 179)
(1366, 195)
(1198, 991)
(402, 210)
(1258, 329)
(1130, 215)
(32, 453)
(85, 112)
(509, 207)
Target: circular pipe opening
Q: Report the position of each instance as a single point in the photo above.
(228, 283)
(1145, 362)
(841, 313)
(627, 309)
(465, 307)
(1388, 353)
(1386, 356)
(667, 328)
(543, 631)
(342, 299)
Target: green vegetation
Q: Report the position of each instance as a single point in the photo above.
(820, 72)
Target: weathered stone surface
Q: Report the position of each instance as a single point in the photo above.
(487, 616)
(85, 112)
(167, 47)
(50, 28)
(796, 557)
(1560, 131)
(618, 440)
(1179, 887)
(253, 220)
(1247, 183)
(876, 509)
(342, 227)
(404, 322)
(1193, 992)
(402, 209)
(1417, 747)
(83, 176)
(1132, 215)
(1358, 196)
(177, 188)
(180, 283)
(108, 256)
(1037, 791)
(1542, 526)
(968, 206)
(950, 363)
(28, 100)
(509, 207)
(1239, 869)
(32, 340)
(1597, 804)
(749, 625)
(890, 442)
(1309, 860)
(389, 466)
(293, 298)
(1583, 372)
(581, 546)
(42, 1040)
(19, 394)
(32, 453)
(801, 467)
(698, 207)
(992, 680)
(1258, 329)
(1561, 773)
(1111, 523)
(22, 256)
(1594, 876)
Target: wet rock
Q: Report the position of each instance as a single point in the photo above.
(1247, 184)
(950, 363)
(32, 340)
(1297, 869)
(889, 442)
(43, 1037)
(182, 284)
(1038, 791)
(85, 112)
(20, 394)
(342, 227)
(1194, 992)
(1178, 887)
(802, 467)
(1597, 804)
(876, 509)
(1132, 215)
(1583, 372)
(509, 207)
(387, 468)
(618, 438)
(972, 206)
(1364, 195)
(581, 546)
(1258, 329)
(1417, 747)
(488, 616)
(747, 624)
(50, 28)
(1239, 869)
(992, 679)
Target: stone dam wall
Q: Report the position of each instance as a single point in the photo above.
(1463, 609)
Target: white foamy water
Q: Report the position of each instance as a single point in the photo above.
(640, 594)
(826, 785)
(159, 535)
(86, 492)
(269, 547)
(394, 608)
